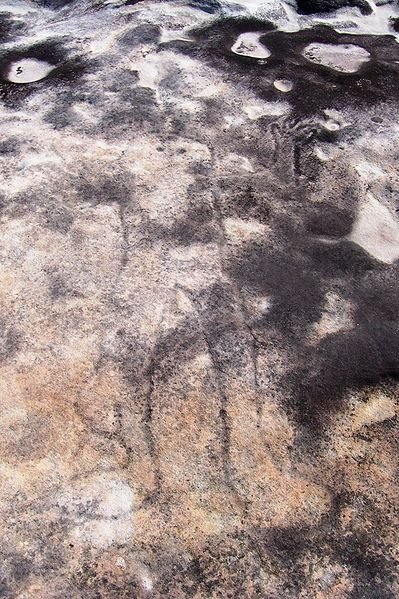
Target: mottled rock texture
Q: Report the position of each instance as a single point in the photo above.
(199, 294)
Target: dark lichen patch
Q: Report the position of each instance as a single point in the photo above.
(137, 112)
(95, 582)
(264, 199)
(10, 341)
(342, 361)
(10, 28)
(228, 566)
(244, 563)
(171, 349)
(58, 218)
(9, 146)
(340, 258)
(315, 86)
(308, 7)
(271, 274)
(291, 548)
(209, 6)
(59, 289)
(374, 80)
(373, 571)
(62, 113)
(113, 190)
(366, 355)
(377, 297)
(55, 4)
(218, 38)
(222, 330)
(143, 34)
(198, 226)
(21, 567)
(395, 24)
(122, 82)
(62, 69)
(61, 117)
(227, 29)
(4, 588)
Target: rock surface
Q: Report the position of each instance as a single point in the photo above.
(199, 289)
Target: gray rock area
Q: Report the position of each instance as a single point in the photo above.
(199, 295)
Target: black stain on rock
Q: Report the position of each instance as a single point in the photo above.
(143, 34)
(118, 189)
(196, 227)
(395, 24)
(209, 6)
(330, 220)
(10, 341)
(58, 217)
(10, 28)
(296, 276)
(315, 86)
(9, 146)
(55, 4)
(308, 7)
(59, 288)
(273, 273)
(136, 114)
(289, 549)
(94, 584)
(229, 565)
(352, 359)
(65, 70)
(21, 568)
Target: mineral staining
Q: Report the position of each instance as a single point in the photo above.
(346, 58)
(199, 283)
(27, 70)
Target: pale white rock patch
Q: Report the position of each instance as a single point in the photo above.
(109, 496)
(248, 44)
(258, 110)
(235, 163)
(16, 7)
(233, 121)
(120, 562)
(214, 90)
(346, 58)
(258, 305)
(376, 231)
(369, 171)
(147, 582)
(326, 152)
(377, 409)
(28, 70)
(337, 117)
(283, 85)
(101, 508)
(103, 533)
(240, 230)
(169, 35)
(337, 316)
(331, 125)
